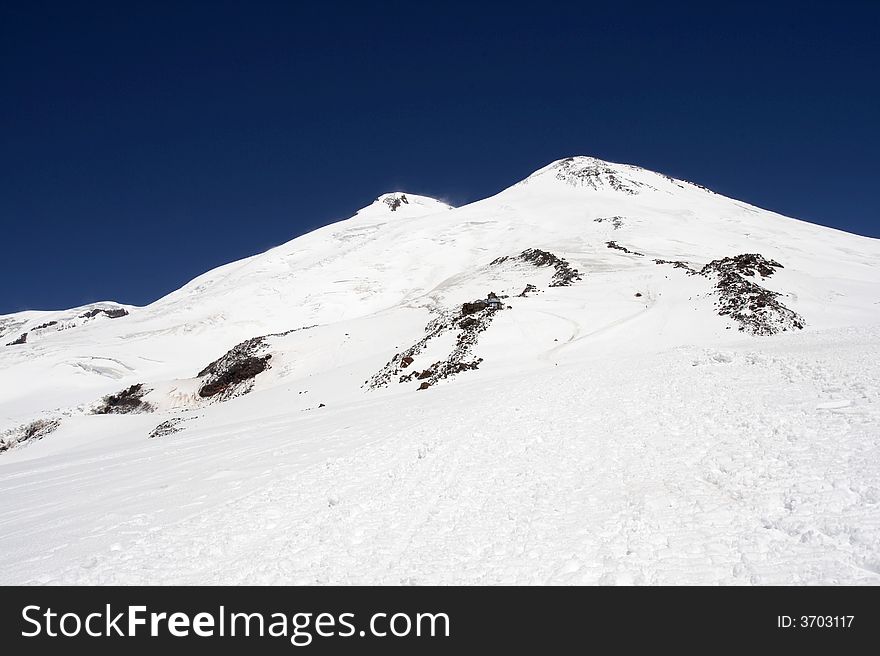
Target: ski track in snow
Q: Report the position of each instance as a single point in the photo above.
(736, 466)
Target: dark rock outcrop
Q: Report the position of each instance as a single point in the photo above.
(36, 430)
(127, 401)
(756, 309)
(472, 308)
(241, 371)
(393, 202)
(233, 373)
(616, 246)
(596, 174)
(615, 221)
(469, 327)
(747, 264)
(113, 313)
(166, 428)
(20, 340)
(564, 274)
(678, 264)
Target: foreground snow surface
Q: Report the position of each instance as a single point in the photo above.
(751, 463)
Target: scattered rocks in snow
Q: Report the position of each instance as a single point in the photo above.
(166, 428)
(565, 274)
(616, 246)
(113, 313)
(756, 309)
(395, 201)
(127, 401)
(36, 430)
(596, 174)
(615, 221)
(170, 426)
(747, 264)
(20, 340)
(233, 374)
(678, 264)
(469, 326)
(292, 330)
(393, 367)
(11, 325)
(470, 321)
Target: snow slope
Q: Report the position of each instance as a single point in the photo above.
(612, 428)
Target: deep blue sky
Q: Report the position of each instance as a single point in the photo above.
(146, 142)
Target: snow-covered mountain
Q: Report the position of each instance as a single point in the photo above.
(600, 374)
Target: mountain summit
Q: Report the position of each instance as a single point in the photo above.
(400, 204)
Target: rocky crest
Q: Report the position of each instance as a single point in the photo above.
(394, 201)
(127, 401)
(469, 321)
(233, 373)
(616, 246)
(36, 430)
(564, 275)
(596, 174)
(756, 308)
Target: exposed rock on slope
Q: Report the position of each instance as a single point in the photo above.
(756, 309)
(596, 174)
(747, 264)
(469, 323)
(20, 340)
(393, 201)
(233, 373)
(678, 264)
(36, 430)
(615, 221)
(168, 427)
(125, 402)
(10, 325)
(565, 274)
(618, 247)
(62, 323)
(113, 313)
